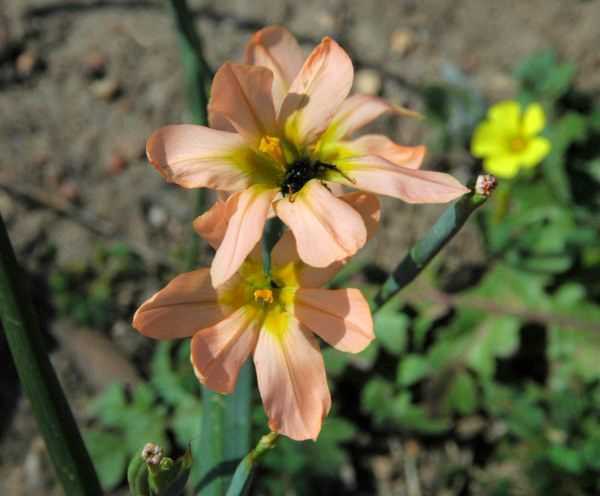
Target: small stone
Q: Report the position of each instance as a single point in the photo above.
(469, 427)
(402, 41)
(326, 21)
(35, 466)
(94, 65)
(368, 82)
(117, 163)
(106, 89)
(27, 63)
(69, 190)
(7, 205)
(157, 216)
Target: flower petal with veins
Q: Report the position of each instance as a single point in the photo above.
(326, 228)
(276, 49)
(292, 381)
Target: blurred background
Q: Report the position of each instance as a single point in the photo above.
(484, 379)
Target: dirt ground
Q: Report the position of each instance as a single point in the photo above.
(84, 83)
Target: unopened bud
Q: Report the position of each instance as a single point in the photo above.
(152, 454)
(485, 184)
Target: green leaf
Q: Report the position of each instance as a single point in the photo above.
(569, 129)
(375, 397)
(543, 78)
(407, 415)
(335, 361)
(462, 394)
(185, 420)
(391, 329)
(108, 455)
(411, 369)
(110, 406)
(567, 459)
(164, 378)
(496, 337)
(366, 357)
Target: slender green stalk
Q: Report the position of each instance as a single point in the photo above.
(196, 71)
(197, 80)
(449, 223)
(56, 422)
(242, 478)
(272, 233)
(193, 252)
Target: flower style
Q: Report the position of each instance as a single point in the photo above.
(280, 138)
(271, 318)
(509, 139)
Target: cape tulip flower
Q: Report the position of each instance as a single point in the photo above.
(271, 319)
(509, 139)
(280, 134)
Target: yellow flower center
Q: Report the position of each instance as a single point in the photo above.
(518, 144)
(269, 301)
(271, 146)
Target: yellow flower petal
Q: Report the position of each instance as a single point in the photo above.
(506, 116)
(503, 166)
(488, 139)
(537, 149)
(534, 120)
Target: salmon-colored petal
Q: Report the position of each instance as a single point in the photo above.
(410, 157)
(244, 230)
(284, 251)
(341, 317)
(276, 48)
(292, 382)
(326, 228)
(183, 306)
(375, 174)
(217, 120)
(218, 352)
(358, 111)
(242, 94)
(316, 93)
(197, 156)
(212, 224)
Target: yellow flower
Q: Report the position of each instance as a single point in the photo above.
(509, 139)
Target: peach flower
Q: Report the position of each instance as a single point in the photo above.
(272, 319)
(280, 135)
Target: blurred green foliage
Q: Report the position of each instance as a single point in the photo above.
(168, 407)
(85, 292)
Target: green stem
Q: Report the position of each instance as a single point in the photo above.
(242, 478)
(193, 252)
(449, 223)
(272, 233)
(197, 80)
(196, 71)
(55, 419)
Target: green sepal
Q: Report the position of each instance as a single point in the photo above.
(137, 477)
(170, 477)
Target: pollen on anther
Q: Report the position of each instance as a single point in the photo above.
(263, 295)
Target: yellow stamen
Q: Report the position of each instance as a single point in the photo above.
(271, 145)
(518, 144)
(263, 295)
